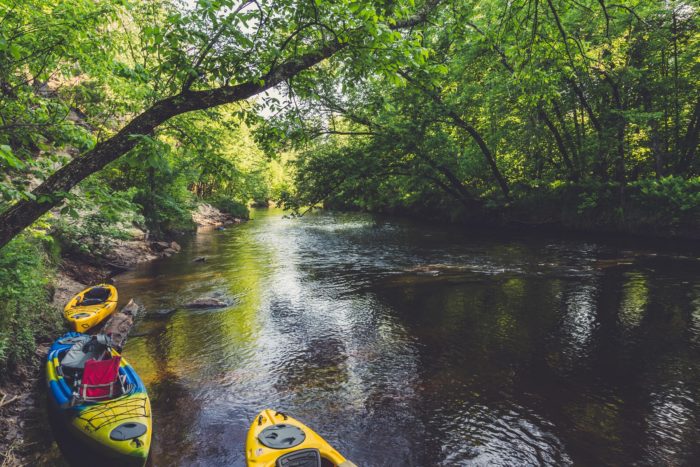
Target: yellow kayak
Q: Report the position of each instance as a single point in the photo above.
(277, 440)
(90, 307)
(115, 423)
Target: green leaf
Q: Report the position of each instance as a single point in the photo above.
(9, 158)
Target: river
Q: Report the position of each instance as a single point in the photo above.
(415, 345)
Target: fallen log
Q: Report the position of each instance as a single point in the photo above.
(120, 323)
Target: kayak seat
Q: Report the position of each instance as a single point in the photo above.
(100, 379)
(84, 349)
(99, 293)
(94, 296)
(301, 458)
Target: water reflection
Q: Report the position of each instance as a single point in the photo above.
(634, 301)
(418, 346)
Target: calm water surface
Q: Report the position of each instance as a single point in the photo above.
(409, 345)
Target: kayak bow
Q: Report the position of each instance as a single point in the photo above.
(277, 440)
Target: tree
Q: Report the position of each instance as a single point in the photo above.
(526, 98)
(225, 52)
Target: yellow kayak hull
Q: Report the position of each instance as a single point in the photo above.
(259, 455)
(83, 318)
(95, 423)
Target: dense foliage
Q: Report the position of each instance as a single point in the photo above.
(25, 311)
(74, 71)
(586, 113)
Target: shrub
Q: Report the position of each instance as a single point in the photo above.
(90, 223)
(231, 206)
(25, 310)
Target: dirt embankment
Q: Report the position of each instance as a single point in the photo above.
(25, 436)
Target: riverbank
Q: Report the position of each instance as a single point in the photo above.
(22, 414)
(663, 209)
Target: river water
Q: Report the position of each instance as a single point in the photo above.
(412, 345)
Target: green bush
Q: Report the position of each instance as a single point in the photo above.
(90, 224)
(231, 206)
(665, 206)
(166, 214)
(25, 310)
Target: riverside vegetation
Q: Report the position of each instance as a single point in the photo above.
(583, 114)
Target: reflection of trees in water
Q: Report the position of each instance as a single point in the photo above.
(634, 300)
(479, 339)
(176, 413)
(668, 375)
(578, 323)
(546, 370)
(174, 409)
(322, 364)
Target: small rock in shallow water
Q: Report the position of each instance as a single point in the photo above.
(160, 246)
(206, 303)
(199, 259)
(162, 313)
(168, 252)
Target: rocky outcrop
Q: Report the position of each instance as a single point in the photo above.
(128, 253)
(207, 215)
(160, 246)
(166, 248)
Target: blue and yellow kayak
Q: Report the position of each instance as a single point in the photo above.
(119, 428)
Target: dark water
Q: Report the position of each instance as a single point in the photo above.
(408, 345)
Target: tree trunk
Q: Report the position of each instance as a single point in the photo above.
(488, 155)
(560, 142)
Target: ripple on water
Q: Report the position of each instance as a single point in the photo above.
(418, 346)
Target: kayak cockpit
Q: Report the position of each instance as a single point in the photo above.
(91, 369)
(304, 458)
(94, 296)
(277, 440)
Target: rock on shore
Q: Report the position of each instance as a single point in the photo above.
(207, 215)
